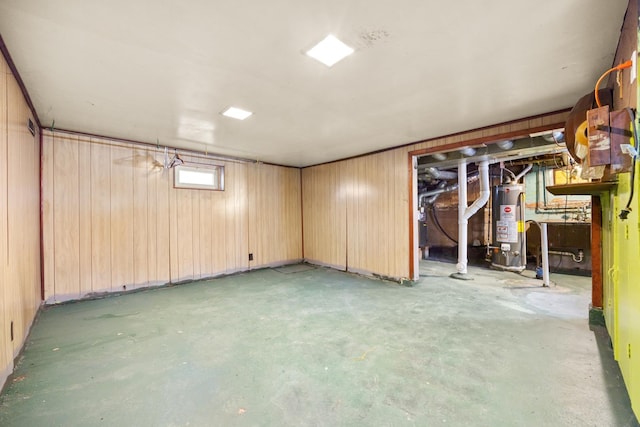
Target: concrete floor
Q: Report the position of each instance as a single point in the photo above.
(323, 348)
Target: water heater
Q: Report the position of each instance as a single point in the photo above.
(509, 239)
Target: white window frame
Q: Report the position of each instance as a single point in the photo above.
(183, 177)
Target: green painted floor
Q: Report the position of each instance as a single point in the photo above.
(323, 348)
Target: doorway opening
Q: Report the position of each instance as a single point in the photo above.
(504, 233)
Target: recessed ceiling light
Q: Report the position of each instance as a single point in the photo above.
(236, 113)
(329, 51)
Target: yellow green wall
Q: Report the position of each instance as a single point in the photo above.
(622, 286)
(621, 242)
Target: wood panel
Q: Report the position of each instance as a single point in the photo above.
(376, 238)
(275, 218)
(122, 206)
(100, 218)
(218, 215)
(401, 210)
(174, 259)
(356, 212)
(85, 220)
(206, 241)
(66, 218)
(19, 221)
(6, 347)
(48, 263)
(293, 213)
(23, 220)
(325, 193)
(197, 232)
(161, 211)
(625, 94)
(140, 163)
(122, 224)
(362, 215)
(237, 222)
(184, 226)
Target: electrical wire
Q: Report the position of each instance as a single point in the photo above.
(558, 143)
(626, 64)
(434, 217)
(624, 213)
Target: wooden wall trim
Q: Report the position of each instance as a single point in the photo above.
(596, 252)
(41, 219)
(487, 139)
(412, 214)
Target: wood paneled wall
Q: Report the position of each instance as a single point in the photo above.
(355, 214)
(324, 207)
(275, 216)
(113, 221)
(356, 211)
(19, 221)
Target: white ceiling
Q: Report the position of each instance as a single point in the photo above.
(152, 70)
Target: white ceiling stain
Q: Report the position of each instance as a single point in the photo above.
(372, 37)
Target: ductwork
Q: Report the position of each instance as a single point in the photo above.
(441, 189)
(444, 188)
(438, 174)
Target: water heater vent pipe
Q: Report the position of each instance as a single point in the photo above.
(465, 212)
(523, 173)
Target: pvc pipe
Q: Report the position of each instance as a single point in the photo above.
(465, 212)
(545, 254)
(513, 175)
(485, 192)
(461, 266)
(523, 173)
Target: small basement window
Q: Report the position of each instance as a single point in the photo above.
(209, 178)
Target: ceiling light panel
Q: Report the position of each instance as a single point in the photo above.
(236, 113)
(330, 51)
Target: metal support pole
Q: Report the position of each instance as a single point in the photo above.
(462, 217)
(545, 254)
